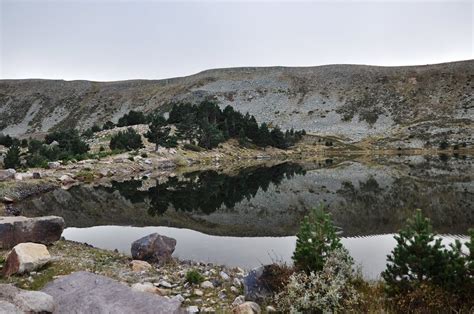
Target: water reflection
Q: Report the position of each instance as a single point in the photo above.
(248, 252)
(205, 191)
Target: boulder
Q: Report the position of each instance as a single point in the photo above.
(14, 230)
(138, 266)
(207, 285)
(253, 288)
(7, 174)
(66, 179)
(53, 165)
(247, 308)
(26, 257)
(149, 288)
(14, 300)
(84, 292)
(153, 247)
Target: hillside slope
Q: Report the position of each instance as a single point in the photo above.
(399, 106)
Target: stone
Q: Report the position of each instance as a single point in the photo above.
(164, 283)
(253, 289)
(148, 287)
(15, 300)
(7, 174)
(14, 230)
(153, 247)
(247, 308)
(26, 257)
(224, 275)
(198, 292)
(85, 292)
(65, 179)
(234, 289)
(238, 300)
(139, 266)
(192, 309)
(36, 175)
(207, 285)
(236, 282)
(54, 165)
(270, 308)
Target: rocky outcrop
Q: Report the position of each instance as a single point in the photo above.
(254, 290)
(14, 300)
(84, 292)
(153, 247)
(7, 174)
(14, 230)
(26, 257)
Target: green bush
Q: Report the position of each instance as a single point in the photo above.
(194, 277)
(421, 263)
(316, 238)
(193, 147)
(132, 118)
(126, 140)
(12, 158)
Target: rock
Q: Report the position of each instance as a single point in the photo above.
(192, 309)
(7, 174)
(139, 266)
(253, 289)
(53, 165)
(224, 275)
(207, 285)
(84, 292)
(36, 175)
(270, 308)
(198, 292)
(14, 230)
(153, 247)
(236, 282)
(65, 179)
(14, 300)
(147, 161)
(147, 287)
(234, 289)
(239, 300)
(54, 143)
(26, 257)
(165, 284)
(178, 297)
(247, 308)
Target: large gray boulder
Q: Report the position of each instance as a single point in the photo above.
(45, 230)
(154, 248)
(84, 292)
(7, 174)
(254, 288)
(14, 300)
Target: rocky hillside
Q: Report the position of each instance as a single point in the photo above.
(395, 106)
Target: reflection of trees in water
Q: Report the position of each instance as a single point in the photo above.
(206, 191)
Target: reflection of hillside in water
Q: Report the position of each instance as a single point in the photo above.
(270, 201)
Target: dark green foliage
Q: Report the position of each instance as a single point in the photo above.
(194, 277)
(69, 143)
(126, 140)
(12, 158)
(316, 238)
(208, 125)
(420, 259)
(88, 133)
(6, 140)
(132, 118)
(36, 160)
(95, 128)
(108, 125)
(193, 147)
(159, 133)
(24, 143)
(443, 145)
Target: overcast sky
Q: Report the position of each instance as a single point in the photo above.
(113, 40)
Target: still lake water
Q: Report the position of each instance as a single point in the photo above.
(249, 217)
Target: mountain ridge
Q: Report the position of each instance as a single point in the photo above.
(406, 106)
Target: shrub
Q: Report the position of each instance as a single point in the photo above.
(12, 158)
(24, 143)
(275, 276)
(329, 290)
(70, 143)
(132, 118)
(36, 160)
(316, 238)
(193, 147)
(194, 277)
(108, 125)
(126, 140)
(34, 146)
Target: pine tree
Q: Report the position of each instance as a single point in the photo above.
(417, 258)
(316, 238)
(12, 158)
(264, 138)
(159, 133)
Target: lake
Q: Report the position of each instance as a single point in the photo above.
(249, 216)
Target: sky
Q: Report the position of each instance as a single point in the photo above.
(106, 40)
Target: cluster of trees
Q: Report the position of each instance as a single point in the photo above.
(422, 275)
(126, 140)
(58, 145)
(207, 125)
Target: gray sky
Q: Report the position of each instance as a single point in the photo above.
(114, 40)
